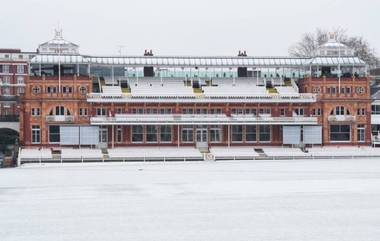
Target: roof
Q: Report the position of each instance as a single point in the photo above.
(348, 61)
(197, 61)
(10, 51)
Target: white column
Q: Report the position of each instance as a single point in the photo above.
(178, 136)
(229, 135)
(113, 136)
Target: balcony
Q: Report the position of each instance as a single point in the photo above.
(341, 118)
(60, 118)
(375, 119)
(274, 98)
(9, 98)
(183, 119)
(9, 118)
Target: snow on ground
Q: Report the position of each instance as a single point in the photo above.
(248, 200)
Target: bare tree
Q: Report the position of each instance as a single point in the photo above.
(310, 42)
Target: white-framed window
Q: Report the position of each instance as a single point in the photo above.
(265, 111)
(60, 111)
(361, 112)
(20, 80)
(151, 111)
(237, 133)
(340, 133)
(165, 111)
(265, 133)
(51, 89)
(282, 112)
(137, 111)
(137, 134)
(201, 111)
(20, 69)
(151, 134)
(103, 134)
(187, 111)
(20, 90)
(36, 134)
(251, 111)
(6, 91)
(317, 112)
(165, 134)
(299, 111)
(361, 133)
(119, 134)
(215, 134)
(36, 111)
(237, 111)
(83, 111)
(187, 134)
(375, 109)
(119, 110)
(67, 89)
(216, 111)
(340, 110)
(6, 80)
(54, 134)
(6, 69)
(250, 133)
(101, 111)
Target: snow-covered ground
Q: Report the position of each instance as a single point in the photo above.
(248, 200)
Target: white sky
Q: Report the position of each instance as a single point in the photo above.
(174, 27)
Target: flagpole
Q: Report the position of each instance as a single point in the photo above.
(339, 73)
(59, 66)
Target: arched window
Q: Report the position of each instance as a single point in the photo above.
(340, 110)
(59, 110)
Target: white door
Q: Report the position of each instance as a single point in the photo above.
(201, 135)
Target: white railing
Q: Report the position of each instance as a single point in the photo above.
(341, 118)
(303, 98)
(60, 118)
(183, 119)
(294, 85)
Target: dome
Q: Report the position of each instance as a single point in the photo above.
(333, 48)
(58, 45)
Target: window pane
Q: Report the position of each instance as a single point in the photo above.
(54, 134)
(264, 133)
(251, 133)
(137, 133)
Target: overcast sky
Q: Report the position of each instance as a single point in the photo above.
(174, 27)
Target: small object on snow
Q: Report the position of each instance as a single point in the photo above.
(140, 169)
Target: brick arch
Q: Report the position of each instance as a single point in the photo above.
(66, 110)
(346, 107)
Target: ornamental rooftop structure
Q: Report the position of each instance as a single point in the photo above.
(58, 45)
